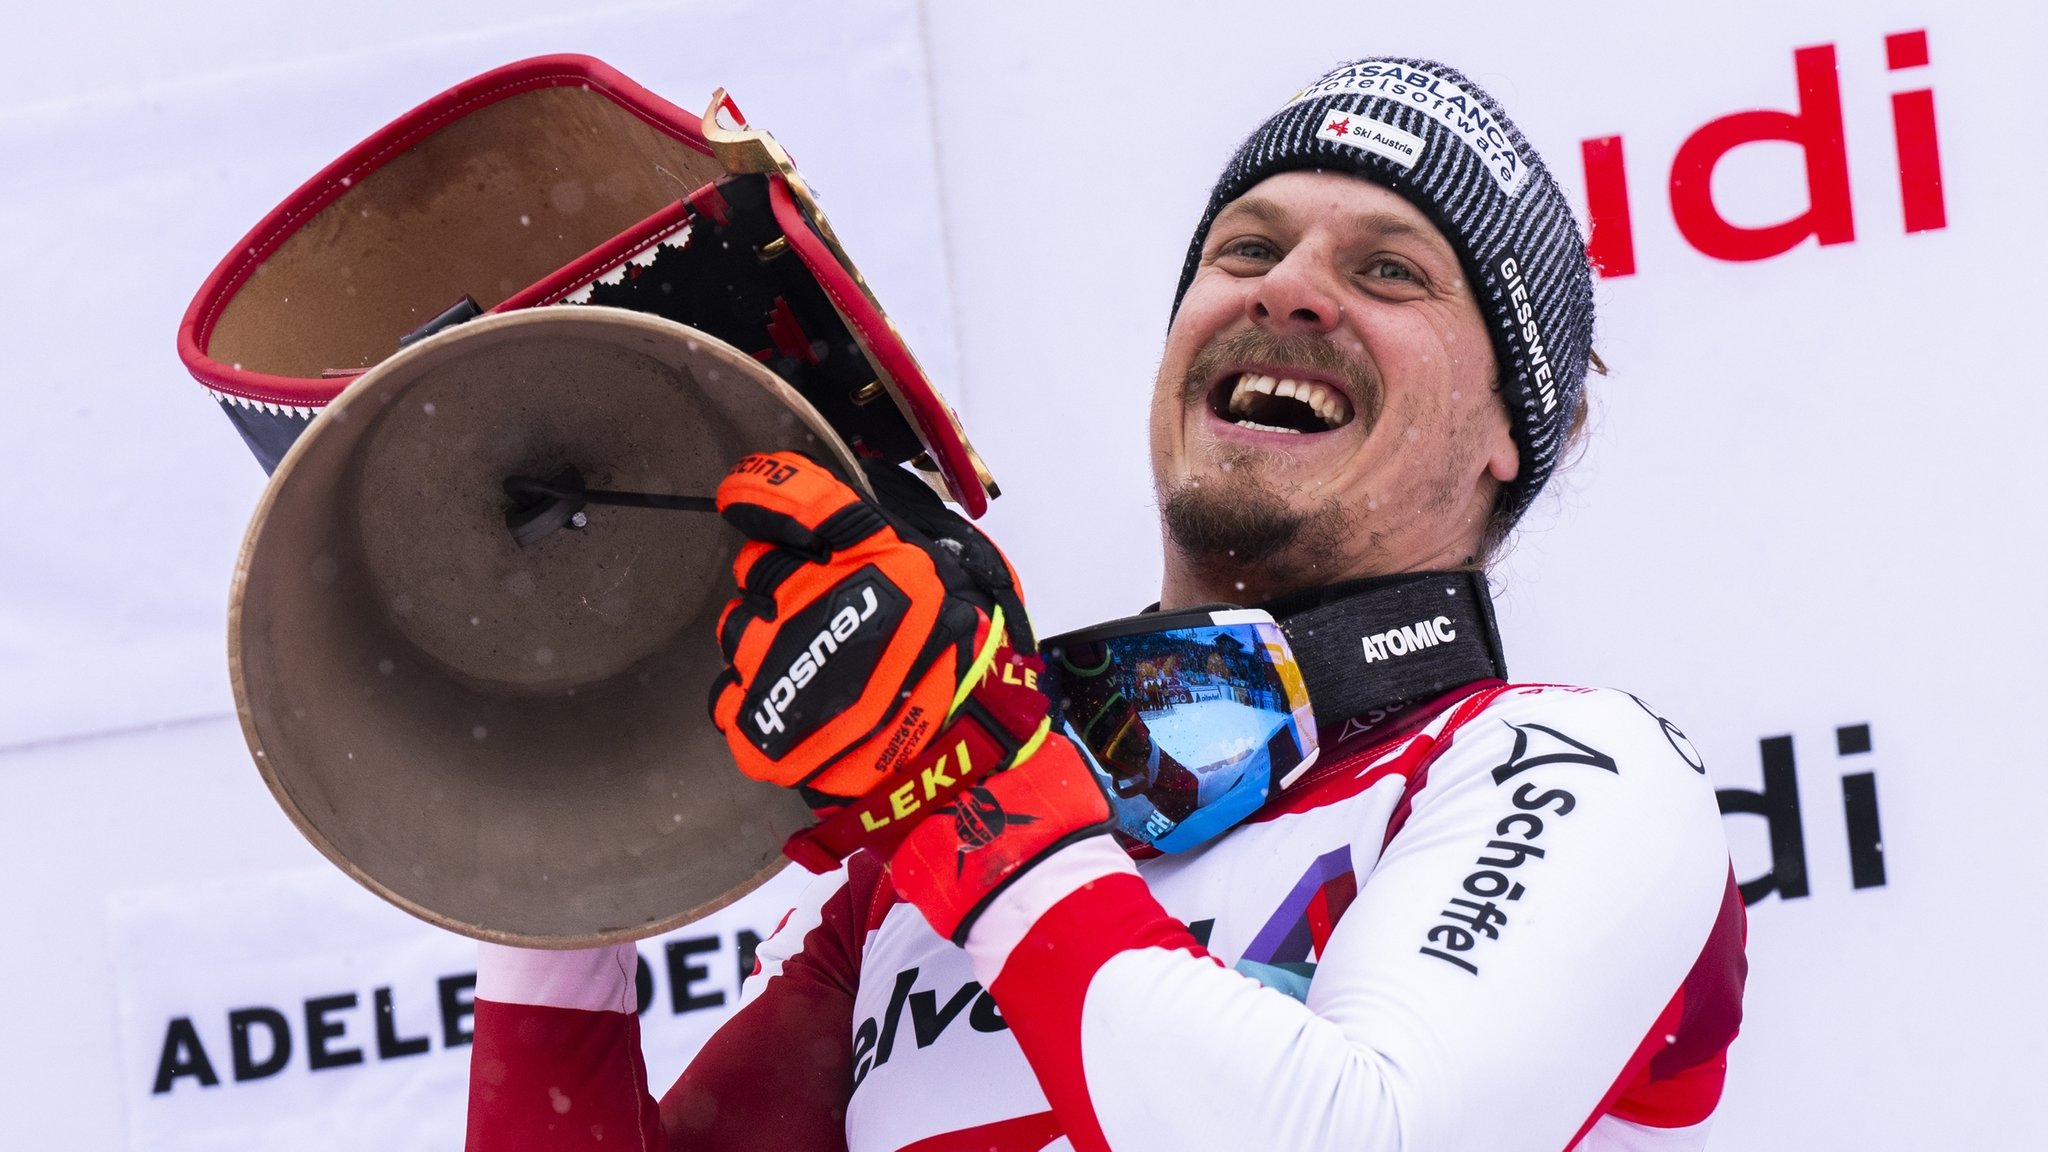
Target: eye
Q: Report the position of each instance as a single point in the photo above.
(1393, 278)
(1246, 255)
(1386, 268)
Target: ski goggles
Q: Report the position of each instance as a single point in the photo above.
(1190, 719)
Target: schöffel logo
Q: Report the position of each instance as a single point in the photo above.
(1401, 641)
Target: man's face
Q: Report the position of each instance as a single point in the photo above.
(1325, 408)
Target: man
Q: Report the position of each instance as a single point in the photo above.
(1488, 917)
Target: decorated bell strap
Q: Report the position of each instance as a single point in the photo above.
(1002, 718)
(966, 478)
(749, 258)
(464, 194)
(740, 258)
(557, 180)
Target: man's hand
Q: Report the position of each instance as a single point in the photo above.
(856, 630)
(955, 861)
(880, 660)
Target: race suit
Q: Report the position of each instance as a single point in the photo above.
(1503, 920)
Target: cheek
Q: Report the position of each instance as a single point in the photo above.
(1439, 405)
(1454, 371)
(1184, 341)
(1166, 422)
(1215, 301)
(1162, 429)
(1471, 360)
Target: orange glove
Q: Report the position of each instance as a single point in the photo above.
(879, 660)
(856, 630)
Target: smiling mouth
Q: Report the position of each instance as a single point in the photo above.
(1280, 404)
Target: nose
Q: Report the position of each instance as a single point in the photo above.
(1295, 295)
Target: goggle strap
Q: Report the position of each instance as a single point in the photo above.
(1394, 640)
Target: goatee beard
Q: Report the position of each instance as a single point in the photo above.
(1241, 534)
(1240, 524)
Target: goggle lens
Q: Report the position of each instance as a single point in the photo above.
(1191, 719)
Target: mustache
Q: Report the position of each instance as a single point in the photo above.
(1303, 349)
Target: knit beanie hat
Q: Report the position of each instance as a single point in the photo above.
(1429, 134)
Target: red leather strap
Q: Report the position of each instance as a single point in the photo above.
(195, 331)
(921, 403)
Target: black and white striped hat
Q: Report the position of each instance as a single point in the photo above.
(1426, 132)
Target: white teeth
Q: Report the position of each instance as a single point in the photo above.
(1268, 427)
(1327, 403)
(1241, 395)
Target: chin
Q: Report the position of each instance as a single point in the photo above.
(1239, 521)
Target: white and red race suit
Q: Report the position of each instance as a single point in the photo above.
(1502, 921)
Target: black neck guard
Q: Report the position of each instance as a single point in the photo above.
(1387, 641)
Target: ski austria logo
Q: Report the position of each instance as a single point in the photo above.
(1369, 135)
(1415, 637)
(1437, 98)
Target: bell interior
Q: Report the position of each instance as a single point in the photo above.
(487, 205)
(513, 742)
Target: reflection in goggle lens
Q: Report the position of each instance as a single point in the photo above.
(1191, 719)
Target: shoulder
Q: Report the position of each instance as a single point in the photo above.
(1599, 760)
(1534, 725)
(1528, 724)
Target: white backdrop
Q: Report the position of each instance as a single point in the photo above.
(1795, 463)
